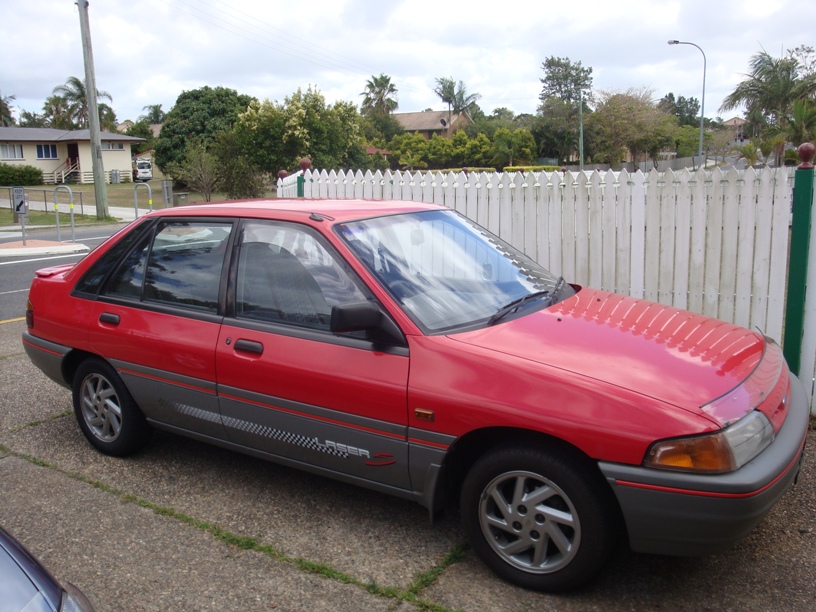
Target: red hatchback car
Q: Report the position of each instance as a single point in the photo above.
(399, 346)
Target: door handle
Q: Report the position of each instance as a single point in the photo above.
(109, 317)
(249, 346)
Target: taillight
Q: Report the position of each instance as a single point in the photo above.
(29, 315)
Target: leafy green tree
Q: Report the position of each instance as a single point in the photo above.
(380, 128)
(6, 118)
(198, 115)
(477, 152)
(566, 90)
(439, 152)
(565, 80)
(141, 129)
(155, 115)
(199, 169)
(380, 96)
(687, 138)
(630, 121)
(241, 177)
(511, 148)
(276, 136)
(687, 110)
(75, 94)
(409, 150)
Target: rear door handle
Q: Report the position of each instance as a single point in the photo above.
(249, 346)
(109, 317)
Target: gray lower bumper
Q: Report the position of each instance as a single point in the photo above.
(672, 513)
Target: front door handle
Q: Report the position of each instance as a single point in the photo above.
(109, 317)
(249, 346)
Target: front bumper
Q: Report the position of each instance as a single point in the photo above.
(673, 513)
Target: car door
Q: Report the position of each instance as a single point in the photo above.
(157, 320)
(290, 387)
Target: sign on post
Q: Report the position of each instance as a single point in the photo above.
(20, 206)
(19, 200)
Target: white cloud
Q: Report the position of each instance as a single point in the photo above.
(150, 51)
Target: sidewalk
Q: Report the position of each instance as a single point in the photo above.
(16, 248)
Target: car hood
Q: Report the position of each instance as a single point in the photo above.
(671, 355)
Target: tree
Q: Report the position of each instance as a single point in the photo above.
(800, 124)
(141, 129)
(771, 87)
(509, 147)
(568, 81)
(380, 96)
(199, 169)
(806, 56)
(6, 118)
(630, 121)
(198, 115)
(57, 114)
(457, 98)
(687, 110)
(74, 94)
(566, 90)
(29, 119)
(276, 136)
(155, 115)
(241, 178)
(749, 152)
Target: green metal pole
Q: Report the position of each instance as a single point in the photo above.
(798, 261)
(300, 183)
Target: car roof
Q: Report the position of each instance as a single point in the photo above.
(336, 210)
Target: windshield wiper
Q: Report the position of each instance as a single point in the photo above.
(515, 305)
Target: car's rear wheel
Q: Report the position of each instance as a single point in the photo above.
(105, 410)
(539, 519)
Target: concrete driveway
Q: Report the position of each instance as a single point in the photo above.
(185, 526)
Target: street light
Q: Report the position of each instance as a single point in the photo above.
(702, 102)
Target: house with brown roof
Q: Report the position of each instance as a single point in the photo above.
(427, 123)
(66, 155)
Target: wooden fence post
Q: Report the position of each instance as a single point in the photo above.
(798, 260)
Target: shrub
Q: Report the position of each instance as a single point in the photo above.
(20, 175)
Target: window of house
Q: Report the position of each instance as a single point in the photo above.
(46, 151)
(113, 146)
(11, 151)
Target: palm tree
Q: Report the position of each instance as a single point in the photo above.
(457, 98)
(56, 113)
(749, 152)
(155, 114)
(75, 95)
(6, 118)
(801, 123)
(380, 96)
(771, 87)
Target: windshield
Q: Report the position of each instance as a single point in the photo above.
(447, 272)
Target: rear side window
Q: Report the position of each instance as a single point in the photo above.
(181, 265)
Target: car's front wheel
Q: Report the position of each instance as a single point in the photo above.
(105, 410)
(540, 519)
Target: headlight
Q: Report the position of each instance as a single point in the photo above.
(723, 451)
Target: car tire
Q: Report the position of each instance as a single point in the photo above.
(540, 519)
(106, 412)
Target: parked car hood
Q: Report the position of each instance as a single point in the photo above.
(671, 355)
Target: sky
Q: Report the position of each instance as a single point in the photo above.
(149, 51)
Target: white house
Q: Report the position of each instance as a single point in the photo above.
(65, 155)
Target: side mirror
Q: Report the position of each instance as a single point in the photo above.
(356, 316)
(367, 317)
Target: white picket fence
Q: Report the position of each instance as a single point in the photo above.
(711, 242)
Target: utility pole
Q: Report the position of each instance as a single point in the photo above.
(100, 187)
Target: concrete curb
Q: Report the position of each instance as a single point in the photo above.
(61, 249)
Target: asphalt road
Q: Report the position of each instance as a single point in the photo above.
(186, 526)
(16, 272)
